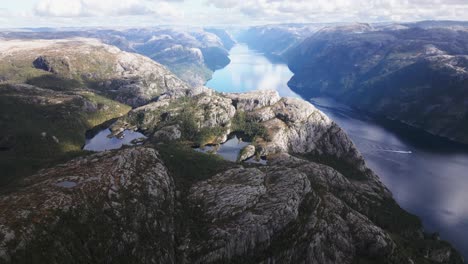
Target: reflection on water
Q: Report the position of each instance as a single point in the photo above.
(249, 71)
(101, 141)
(427, 175)
(229, 150)
(66, 184)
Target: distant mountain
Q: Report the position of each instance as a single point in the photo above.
(416, 73)
(193, 54)
(226, 38)
(427, 24)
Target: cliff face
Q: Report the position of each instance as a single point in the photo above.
(413, 75)
(276, 40)
(192, 54)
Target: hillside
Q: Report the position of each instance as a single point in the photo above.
(414, 75)
(53, 91)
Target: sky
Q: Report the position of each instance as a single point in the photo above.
(131, 13)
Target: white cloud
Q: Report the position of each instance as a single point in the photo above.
(345, 10)
(91, 8)
(111, 13)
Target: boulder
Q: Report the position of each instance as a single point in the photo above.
(246, 153)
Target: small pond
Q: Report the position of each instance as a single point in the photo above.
(102, 142)
(230, 150)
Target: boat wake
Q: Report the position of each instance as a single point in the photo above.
(397, 151)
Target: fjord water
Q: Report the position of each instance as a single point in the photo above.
(250, 70)
(427, 175)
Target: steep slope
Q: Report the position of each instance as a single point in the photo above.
(53, 91)
(314, 202)
(224, 36)
(413, 75)
(191, 54)
(276, 40)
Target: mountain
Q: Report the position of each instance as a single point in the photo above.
(417, 76)
(193, 54)
(275, 40)
(312, 200)
(224, 36)
(53, 91)
(415, 73)
(315, 201)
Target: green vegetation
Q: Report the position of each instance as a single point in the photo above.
(94, 233)
(250, 128)
(18, 70)
(187, 167)
(190, 72)
(184, 112)
(54, 82)
(41, 127)
(190, 129)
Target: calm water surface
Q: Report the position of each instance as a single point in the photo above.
(249, 71)
(427, 175)
(101, 141)
(229, 150)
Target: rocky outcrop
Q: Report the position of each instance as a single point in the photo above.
(253, 100)
(46, 64)
(246, 153)
(169, 133)
(252, 214)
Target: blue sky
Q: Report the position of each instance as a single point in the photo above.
(111, 13)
